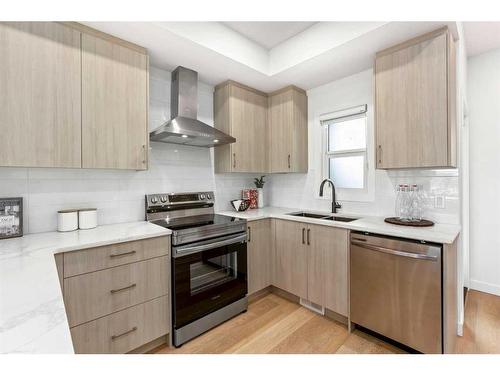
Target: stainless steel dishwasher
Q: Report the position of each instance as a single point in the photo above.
(396, 289)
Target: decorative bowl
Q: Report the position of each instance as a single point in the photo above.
(240, 205)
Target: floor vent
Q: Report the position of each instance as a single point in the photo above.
(318, 309)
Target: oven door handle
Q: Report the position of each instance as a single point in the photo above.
(207, 245)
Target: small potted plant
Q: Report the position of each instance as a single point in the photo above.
(259, 183)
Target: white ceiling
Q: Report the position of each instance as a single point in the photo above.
(324, 52)
(481, 37)
(268, 34)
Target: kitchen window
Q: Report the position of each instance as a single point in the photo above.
(345, 151)
(345, 147)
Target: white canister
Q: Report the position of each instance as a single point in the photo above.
(67, 220)
(87, 218)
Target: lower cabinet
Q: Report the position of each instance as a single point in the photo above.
(116, 296)
(259, 255)
(96, 294)
(123, 331)
(336, 274)
(311, 262)
(291, 257)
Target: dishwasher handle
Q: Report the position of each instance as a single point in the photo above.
(385, 250)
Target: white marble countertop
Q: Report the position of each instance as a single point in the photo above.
(440, 233)
(32, 314)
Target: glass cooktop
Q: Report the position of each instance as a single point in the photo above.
(190, 222)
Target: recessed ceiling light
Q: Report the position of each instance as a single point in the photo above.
(184, 136)
(216, 140)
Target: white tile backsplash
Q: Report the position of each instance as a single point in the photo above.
(301, 191)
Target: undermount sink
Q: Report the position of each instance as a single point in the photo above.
(322, 216)
(340, 218)
(308, 214)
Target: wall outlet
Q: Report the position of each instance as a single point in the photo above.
(439, 201)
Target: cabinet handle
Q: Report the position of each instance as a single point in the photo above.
(288, 161)
(303, 236)
(113, 291)
(308, 236)
(122, 254)
(380, 154)
(114, 337)
(234, 160)
(144, 154)
(249, 234)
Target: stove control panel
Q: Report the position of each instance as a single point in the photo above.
(171, 199)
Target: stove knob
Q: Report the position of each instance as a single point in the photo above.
(163, 199)
(209, 196)
(202, 196)
(154, 200)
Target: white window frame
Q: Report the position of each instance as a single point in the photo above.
(366, 193)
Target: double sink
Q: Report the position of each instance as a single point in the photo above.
(312, 215)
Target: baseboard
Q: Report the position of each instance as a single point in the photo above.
(259, 294)
(336, 316)
(485, 287)
(293, 298)
(284, 294)
(150, 346)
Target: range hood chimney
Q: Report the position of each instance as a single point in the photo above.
(183, 127)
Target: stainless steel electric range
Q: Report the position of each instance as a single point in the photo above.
(209, 261)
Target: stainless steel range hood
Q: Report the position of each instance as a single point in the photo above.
(184, 128)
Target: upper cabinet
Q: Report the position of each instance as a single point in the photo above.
(241, 112)
(270, 129)
(415, 103)
(71, 97)
(40, 80)
(288, 130)
(114, 105)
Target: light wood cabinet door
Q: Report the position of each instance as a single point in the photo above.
(288, 138)
(103, 257)
(114, 105)
(259, 255)
(123, 331)
(299, 138)
(318, 241)
(291, 257)
(93, 295)
(248, 126)
(280, 134)
(335, 242)
(414, 103)
(327, 267)
(241, 112)
(40, 99)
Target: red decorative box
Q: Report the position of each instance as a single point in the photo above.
(252, 195)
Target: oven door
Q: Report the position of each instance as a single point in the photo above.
(207, 276)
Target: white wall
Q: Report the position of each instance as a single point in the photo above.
(484, 119)
(119, 195)
(301, 190)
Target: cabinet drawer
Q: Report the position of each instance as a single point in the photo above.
(99, 258)
(123, 331)
(96, 294)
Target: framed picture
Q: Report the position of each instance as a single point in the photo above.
(11, 217)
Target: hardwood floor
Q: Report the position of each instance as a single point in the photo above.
(481, 325)
(273, 324)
